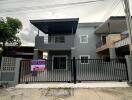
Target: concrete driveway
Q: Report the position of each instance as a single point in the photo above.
(66, 94)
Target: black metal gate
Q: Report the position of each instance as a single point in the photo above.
(76, 70)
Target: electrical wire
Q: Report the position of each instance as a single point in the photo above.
(110, 11)
(13, 2)
(8, 10)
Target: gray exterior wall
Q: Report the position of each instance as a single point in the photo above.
(85, 48)
(59, 53)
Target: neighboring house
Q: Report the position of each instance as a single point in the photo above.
(64, 39)
(112, 38)
(25, 52)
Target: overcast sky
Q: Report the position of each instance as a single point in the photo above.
(26, 10)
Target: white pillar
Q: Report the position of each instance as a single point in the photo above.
(112, 52)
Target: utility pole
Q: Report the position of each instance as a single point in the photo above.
(129, 23)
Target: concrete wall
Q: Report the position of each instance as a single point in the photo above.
(9, 71)
(85, 48)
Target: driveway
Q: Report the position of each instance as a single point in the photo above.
(66, 94)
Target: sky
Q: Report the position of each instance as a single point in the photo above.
(26, 10)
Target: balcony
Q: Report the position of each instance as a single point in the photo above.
(108, 43)
(101, 46)
(62, 42)
(122, 42)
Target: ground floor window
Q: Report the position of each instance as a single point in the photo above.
(84, 59)
(59, 62)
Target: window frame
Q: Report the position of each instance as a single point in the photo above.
(81, 38)
(84, 56)
(59, 56)
(57, 39)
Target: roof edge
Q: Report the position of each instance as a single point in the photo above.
(55, 20)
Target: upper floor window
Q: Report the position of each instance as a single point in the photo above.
(83, 38)
(59, 39)
(56, 39)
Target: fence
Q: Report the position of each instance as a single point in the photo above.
(9, 70)
(100, 70)
(77, 70)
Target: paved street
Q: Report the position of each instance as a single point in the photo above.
(66, 94)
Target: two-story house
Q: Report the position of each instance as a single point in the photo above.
(64, 39)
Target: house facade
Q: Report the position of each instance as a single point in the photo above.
(64, 39)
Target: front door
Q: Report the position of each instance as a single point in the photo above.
(59, 62)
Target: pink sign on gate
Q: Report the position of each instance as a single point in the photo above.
(38, 65)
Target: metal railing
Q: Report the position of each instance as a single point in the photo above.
(122, 42)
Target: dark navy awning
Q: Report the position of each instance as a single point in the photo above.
(56, 26)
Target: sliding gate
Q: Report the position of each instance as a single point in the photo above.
(49, 75)
(101, 70)
(76, 70)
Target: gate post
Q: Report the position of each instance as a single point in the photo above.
(74, 69)
(129, 68)
(17, 70)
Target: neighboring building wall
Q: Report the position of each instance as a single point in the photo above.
(85, 48)
(111, 38)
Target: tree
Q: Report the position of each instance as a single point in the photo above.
(9, 28)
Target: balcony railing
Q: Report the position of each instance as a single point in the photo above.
(100, 44)
(65, 42)
(122, 42)
(54, 39)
